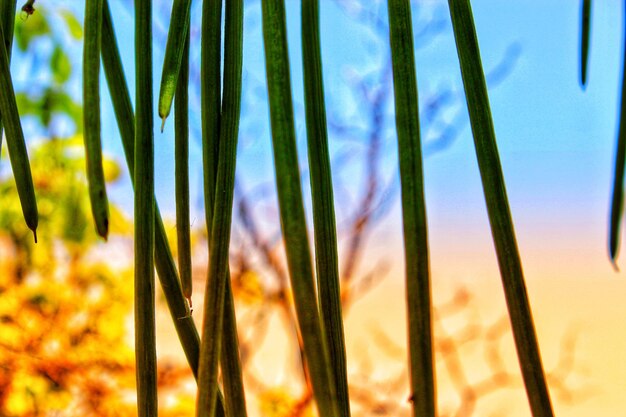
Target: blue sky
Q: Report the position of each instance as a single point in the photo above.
(556, 141)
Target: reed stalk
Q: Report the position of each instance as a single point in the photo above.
(16, 144)
(498, 210)
(166, 269)
(617, 197)
(292, 209)
(210, 96)
(91, 116)
(416, 256)
(585, 34)
(230, 360)
(145, 337)
(177, 36)
(324, 225)
(7, 23)
(219, 324)
(181, 157)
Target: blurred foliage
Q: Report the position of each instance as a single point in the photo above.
(65, 302)
(48, 37)
(63, 336)
(278, 402)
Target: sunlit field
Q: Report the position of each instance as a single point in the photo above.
(69, 301)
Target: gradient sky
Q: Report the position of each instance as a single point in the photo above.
(556, 143)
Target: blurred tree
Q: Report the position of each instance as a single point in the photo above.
(65, 302)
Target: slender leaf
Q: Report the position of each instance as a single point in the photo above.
(325, 230)
(584, 40)
(218, 329)
(145, 337)
(417, 270)
(617, 199)
(7, 23)
(230, 360)
(179, 309)
(181, 151)
(498, 208)
(15, 142)
(91, 116)
(291, 207)
(176, 40)
(210, 97)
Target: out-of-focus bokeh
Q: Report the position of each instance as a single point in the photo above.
(66, 302)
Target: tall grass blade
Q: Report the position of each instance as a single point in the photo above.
(7, 23)
(210, 96)
(179, 310)
(617, 199)
(230, 360)
(181, 156)
(291, 207)
(416, 256)
(584, 40)
(15, 142)
(176, 39)
(498, 208)
(219, 324)
(325, 230)
(91, 116)
(210, 109)
(145, 338)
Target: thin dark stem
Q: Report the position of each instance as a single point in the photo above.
(415, 227)
(326, 259)
(498, 210)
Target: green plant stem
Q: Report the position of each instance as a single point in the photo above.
(145, 337)
(179, 309)
(230, 360)
(18, 154)
(176, 38)
(164, 261)
(219, 323)
(498, 208)
(617, 198)
(7, 23)
(210, 96)
(181, 151)
(91, 116)
(585, 34)
(416, 255)
(324, 226)
(292, 209)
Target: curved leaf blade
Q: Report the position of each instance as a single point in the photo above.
(291, 207)
(18, 154)
(91, 116)
(176, 39)
(216, 328)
